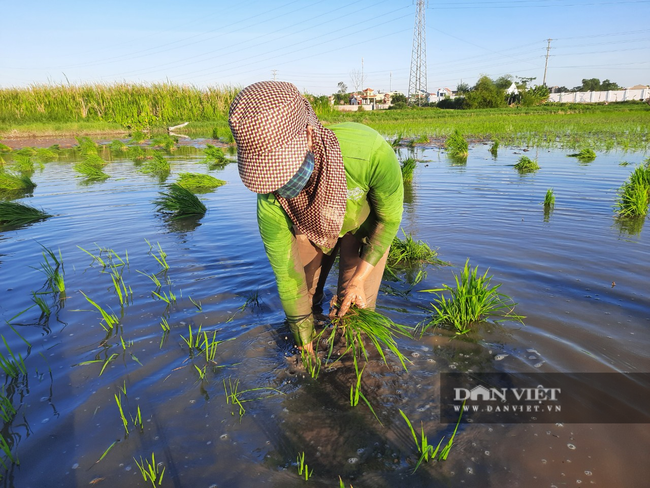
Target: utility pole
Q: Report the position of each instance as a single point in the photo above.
(548, 48)
(274, 71)
(362, 82)
(418, 74)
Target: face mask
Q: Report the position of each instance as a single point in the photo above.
(298, 181)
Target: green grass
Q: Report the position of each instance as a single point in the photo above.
(526, 165)
(586, 155)
(456, 145)
(408, 166)
(199, 183)
(158, 166)
(12, 213)
(180, 202)
(14, 182)
(472, 301)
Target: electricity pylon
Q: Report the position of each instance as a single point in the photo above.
(418, 75)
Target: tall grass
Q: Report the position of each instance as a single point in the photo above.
(12, 213)
(128, 104)
(472, 301)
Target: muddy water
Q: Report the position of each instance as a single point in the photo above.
(579, 276)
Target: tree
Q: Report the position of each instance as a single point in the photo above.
(503, 82)
(357, 79)
(485, 94)
(610, 85)
(343, 88)
(397, 98)
(462, 88)
(534, 96)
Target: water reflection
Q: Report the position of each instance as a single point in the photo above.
(631, 226)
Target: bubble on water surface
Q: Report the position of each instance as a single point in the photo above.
(353, 460)
(500, 357)
(571, 446)
(75, 465)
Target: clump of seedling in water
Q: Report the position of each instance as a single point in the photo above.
(158, 166)
(161, 257)
(150, 471)
(180, 202)
(12, 182)
(410, 255)
(118, 146)
(13, 213)
(549, 199)
(634, 195)
(526, 165)
(109, 320)
(494, 149)
(199, 183)
(586, 155)
(167, 142)
(53, 270)
(91, 168)
(214, 157)
(472, 301)
(12, 366)
(408, 166)
(457, 146)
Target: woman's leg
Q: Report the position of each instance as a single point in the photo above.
(317, 266)
(350, 259)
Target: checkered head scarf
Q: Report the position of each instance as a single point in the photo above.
(269, 122)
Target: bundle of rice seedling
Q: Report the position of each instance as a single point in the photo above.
(12, 213)
(13, 182)
(456, 145)
(214, 157)
(409, 252)
(118, 146)
(45, 155)
(585, 156)
(136, 153)
(633, 196)
(179, 201)
(86, 145)
(23, 164)
(4, 148)
(494, 150)
(526, 165)
(158, 166)
(361, 324)
(549, 199)
(472, 301)
(91, 168)
(199, 183)
(408, 166)
(167, 142)
(25, 151)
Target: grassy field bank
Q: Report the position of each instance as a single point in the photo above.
(44, 110)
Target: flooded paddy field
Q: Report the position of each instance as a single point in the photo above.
(578, 274)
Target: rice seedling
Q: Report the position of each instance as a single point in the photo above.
(152, 277)
(632, 200)
(422, 139)
(123, 293)
(137, 420)
(118, 146)
(234, 395)
(526, 165)
(549, 199)
(7, 410)
(179, 201)
(125, 423)
(199, 183)
(91, 168)
(408, 166)
(158, 166)
(201, 371)
(12, 366)
(472, 301)
(4, 148)
(193, 341)
(214, 157)
(162, 255)
(55, 279)
(586, 155)
(23, 165)
(150, 471)
(14, 182)
(494, 149)
(252, 301)
(198, 305)
(106, 451)
(167, 142)
(138, 136)
(42, 304)
(397, 141)
(7, 450)
(25, 151)
(407, 252)
(360, 323)
(12, 213)
(303, 469)
(168, 299)
(136, 153)
(109, 320)
(456, 145)
(86, 146)
(210, 346)
(46, 155)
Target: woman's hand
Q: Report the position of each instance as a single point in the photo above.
(353, 293)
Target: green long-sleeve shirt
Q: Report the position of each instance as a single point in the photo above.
(373, 213)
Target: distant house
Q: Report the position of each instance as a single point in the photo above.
(440, 94)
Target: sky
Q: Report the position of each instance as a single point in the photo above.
(317, 44)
